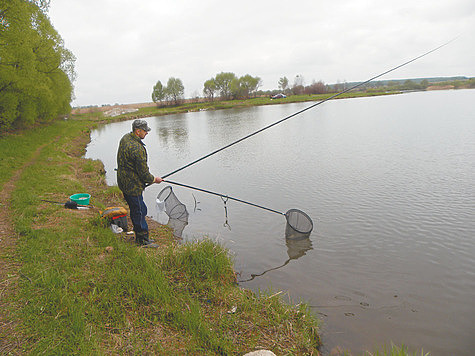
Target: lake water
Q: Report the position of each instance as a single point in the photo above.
(389, 184)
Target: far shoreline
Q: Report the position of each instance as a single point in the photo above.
(142, 110)
(122, 112)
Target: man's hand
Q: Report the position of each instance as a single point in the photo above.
(158, 180)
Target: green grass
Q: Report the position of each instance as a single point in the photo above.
(219, 105)
(74, 297)
(83, 290)
(17, 148)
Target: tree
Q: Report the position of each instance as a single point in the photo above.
(223, 83)
(158, 93)
(36, 70)
(316, 88)
(210, 88)
(245, 86)
(237, 91)
(297, 87)
(298, 80)
(283, 84)
(42, 4)
(175, 89)
(250, 84)
(410, 85)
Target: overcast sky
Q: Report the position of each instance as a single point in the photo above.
(124, 47)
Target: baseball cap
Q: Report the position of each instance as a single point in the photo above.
(140, 124)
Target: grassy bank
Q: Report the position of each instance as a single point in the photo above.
(78, 288)
(97, 115)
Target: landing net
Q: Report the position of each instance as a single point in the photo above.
(298, 224)
(174, 208)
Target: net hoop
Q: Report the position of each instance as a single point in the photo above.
(165, 193)
(173, 207)
(299, 221)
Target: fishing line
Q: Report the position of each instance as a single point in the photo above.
(226, 222)
(307, 108)
(223, 196)
(297, 220)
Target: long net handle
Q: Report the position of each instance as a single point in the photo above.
(223, 196)
(305, 109)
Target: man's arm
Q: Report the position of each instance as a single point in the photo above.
(141, 167)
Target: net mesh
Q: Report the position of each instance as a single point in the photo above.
(299, 225)
(174, 208)
(298, 221)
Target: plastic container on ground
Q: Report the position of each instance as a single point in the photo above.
(81, 198)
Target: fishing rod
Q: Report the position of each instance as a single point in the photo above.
(296, 219)
(305, 109)
(223, 196)
(69, 204)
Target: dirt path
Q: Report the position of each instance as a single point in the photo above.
(10, 339)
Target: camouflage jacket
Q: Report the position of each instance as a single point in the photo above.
(132, 173)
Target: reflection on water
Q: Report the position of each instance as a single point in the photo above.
(177, 226)
(388, 182)
(296, 248)
(176, 136)
(169, 204)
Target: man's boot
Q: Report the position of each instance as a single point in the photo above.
(144, 241)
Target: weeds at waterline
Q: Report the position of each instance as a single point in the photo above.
(73, 295)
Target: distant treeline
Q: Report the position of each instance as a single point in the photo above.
(228, 86)
(36, 70)
(419, 83)
(298, 88)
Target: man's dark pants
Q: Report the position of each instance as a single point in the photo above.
(138, 211)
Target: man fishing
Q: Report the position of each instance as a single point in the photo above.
(133, 176)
